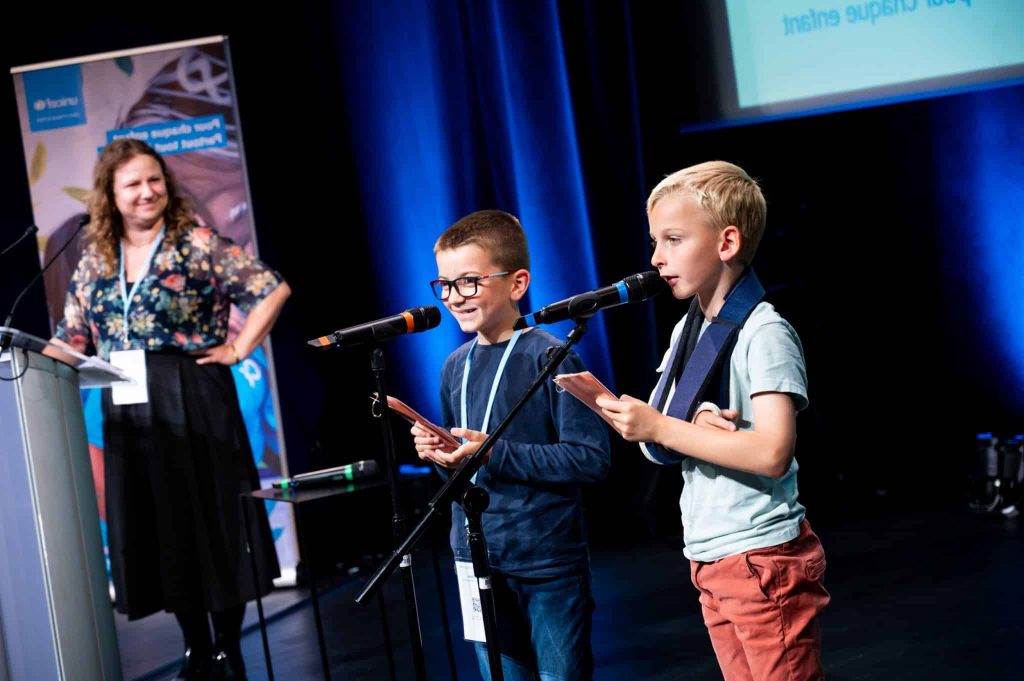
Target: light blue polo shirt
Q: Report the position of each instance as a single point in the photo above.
(726, 512)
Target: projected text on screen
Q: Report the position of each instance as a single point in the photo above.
(791, 50)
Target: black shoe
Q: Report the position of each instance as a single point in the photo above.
(227, 665)
(227, 644)
(195, 668)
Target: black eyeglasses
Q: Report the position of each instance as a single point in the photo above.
(465, 286)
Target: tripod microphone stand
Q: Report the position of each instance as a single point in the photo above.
(413, 320)
(379, 368)
(459, 486)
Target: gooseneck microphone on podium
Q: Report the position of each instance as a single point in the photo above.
(32, 229)
(5, 340)
(633, 289)
(413, 320)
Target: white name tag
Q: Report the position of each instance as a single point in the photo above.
(469, 596)
(133, 363)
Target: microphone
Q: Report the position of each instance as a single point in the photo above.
(348, 472)
(82, 222)
(412, 320)
(633, 289)
(32, 229)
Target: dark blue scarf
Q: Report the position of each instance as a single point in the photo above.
(702, 359)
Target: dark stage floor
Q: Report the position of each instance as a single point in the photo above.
(917, 595)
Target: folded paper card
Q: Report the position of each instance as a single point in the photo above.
(413, 416)
(586, 388)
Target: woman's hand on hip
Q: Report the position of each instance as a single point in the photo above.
(219, 354)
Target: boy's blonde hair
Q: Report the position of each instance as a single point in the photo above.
(728, 195)
(498, 233)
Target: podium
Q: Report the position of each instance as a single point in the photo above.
(56, 618)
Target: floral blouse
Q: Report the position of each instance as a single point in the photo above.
(183, 302)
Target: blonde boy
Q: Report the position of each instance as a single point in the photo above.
(754, 559)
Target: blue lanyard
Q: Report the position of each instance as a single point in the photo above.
(494, 384)
(128, 296)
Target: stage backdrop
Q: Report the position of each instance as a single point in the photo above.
(178, 98)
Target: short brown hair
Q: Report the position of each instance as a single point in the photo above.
(728, 195)
(496, 232)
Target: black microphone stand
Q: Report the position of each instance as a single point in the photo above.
(474, 502)
(398, 518)
(5, 339)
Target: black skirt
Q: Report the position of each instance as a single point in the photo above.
(175, 467)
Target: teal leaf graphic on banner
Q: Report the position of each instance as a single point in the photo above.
(125, 64)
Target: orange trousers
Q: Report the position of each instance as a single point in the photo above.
(761, 609)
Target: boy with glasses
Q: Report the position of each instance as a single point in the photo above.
(534, 526)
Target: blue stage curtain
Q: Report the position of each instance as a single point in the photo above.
(460, 106)
(979, 171)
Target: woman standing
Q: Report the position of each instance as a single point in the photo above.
(155, 289)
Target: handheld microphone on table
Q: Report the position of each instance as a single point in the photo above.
(329, 476)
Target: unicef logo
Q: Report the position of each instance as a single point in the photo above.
(39, 105)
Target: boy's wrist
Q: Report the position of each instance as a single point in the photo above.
(705, 406)
(660, 426)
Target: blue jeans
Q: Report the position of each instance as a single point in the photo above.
(544, 627)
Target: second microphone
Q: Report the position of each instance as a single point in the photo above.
(413, 320)
(633, 289)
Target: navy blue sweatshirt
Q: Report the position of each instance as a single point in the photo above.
(534, 525)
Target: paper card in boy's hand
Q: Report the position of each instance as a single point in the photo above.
(586, 388)
(412, 416)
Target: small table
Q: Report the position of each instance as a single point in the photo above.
(299, 497)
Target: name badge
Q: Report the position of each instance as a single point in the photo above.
(133, 363)
(469, 597)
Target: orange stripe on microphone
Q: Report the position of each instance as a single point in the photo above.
(323, 341)
(410, 323)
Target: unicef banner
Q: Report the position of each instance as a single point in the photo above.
(179, 99)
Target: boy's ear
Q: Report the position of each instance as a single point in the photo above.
(730, 243)
(520, 282)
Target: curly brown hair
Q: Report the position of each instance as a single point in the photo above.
(106, 228)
